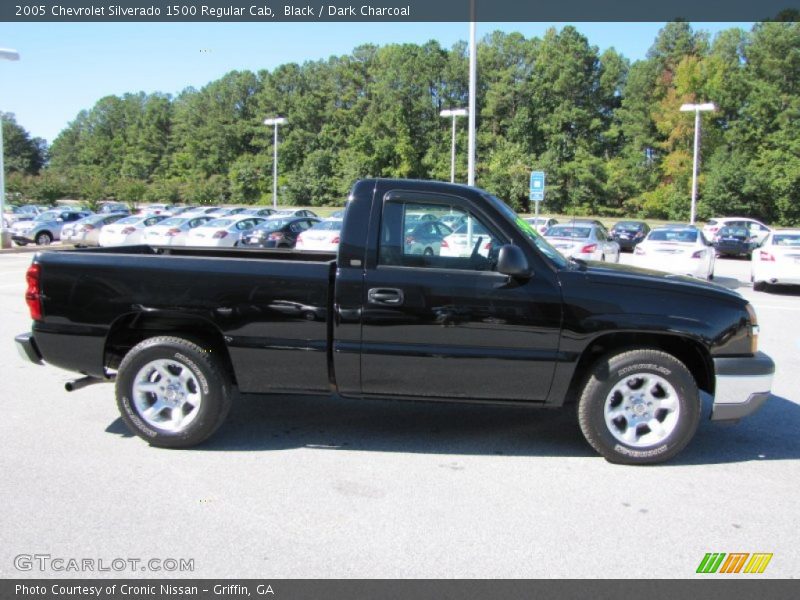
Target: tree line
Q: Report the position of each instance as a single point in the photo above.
(608, 132)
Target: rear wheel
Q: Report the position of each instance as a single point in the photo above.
(759, 286)
(44, 238)
(639, 407)
(172, 392)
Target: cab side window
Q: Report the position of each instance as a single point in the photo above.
(436, 236)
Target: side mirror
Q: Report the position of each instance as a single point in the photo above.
(511, 261)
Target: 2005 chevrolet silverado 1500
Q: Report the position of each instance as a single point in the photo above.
(482, 310)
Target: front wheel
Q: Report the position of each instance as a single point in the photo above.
(172, 392)
(639, 407)
(44, 238)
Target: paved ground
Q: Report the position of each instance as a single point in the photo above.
(307, 487)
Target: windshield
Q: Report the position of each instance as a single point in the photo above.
(219, 223)
(628, 226)
(686, 236)
(529, 232)
(129, 220)
(274, 224)
(786, 239)
(174, 221)
(50, 215)
(328, 226)
(568, 231)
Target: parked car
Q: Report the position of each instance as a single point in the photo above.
(453, 220)
(227, 211)
(277, 232)
(26, 212)
(182, 211)
(471, 238)
(128, 231)
(734, 240)
(172, 231)
(290, 212)
(757, 229)
(777, 261)
(586, 240)
(45, 228)
(158, 208)
(629, 233)
(114, 207)
(86, 232)
(425, 237)
(187, 334)
(322, 237)
(259, 211)
(222, 233)
(682, 250)
(541, 224)
(200, 210)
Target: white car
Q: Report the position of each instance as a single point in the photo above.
(222, 233)
(128, 231)
(777, 261)
(679, 249)
(586, 240)
(86, 232)
(172, 231)
(463, 242)
(323, 237)
(541, 224)
(757, 229)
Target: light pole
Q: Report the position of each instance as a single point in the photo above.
(455, 112)
(5, 238)
(697, 108)
(276, 121)
(473, 83)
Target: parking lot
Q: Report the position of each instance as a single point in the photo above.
(301, 487)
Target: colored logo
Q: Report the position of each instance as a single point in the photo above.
(735, 562)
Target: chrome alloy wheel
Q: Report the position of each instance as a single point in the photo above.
(642, 410)
(167, 395)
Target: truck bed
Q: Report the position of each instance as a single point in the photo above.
(261, 303)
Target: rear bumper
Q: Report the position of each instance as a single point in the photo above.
(26, 346)
(743, 385)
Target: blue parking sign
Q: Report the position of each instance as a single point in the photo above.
(537, 186)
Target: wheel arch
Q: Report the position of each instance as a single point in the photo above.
(690, 352)
(130, 329)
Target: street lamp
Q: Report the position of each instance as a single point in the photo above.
(697, 108)
(5, 238)
(276, 121)
(456, 112)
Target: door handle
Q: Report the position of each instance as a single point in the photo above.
(390, 296)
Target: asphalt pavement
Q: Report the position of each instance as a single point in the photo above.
(297, 487)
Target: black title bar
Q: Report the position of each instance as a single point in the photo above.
(276, 11)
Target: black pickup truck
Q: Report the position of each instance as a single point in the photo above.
(438, 292)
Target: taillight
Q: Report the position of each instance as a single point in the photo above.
(88, 227)
(764, 255)
(33, 296)
(275, 236)
(754, 329)
(409, 240)
(128, 230)
(488, 246)
(219, 234)
(444, 244)
(588, 249)
(173, 231)
(299, 241)
(335, 240)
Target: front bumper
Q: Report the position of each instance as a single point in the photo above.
(743, 385)
(26, 346)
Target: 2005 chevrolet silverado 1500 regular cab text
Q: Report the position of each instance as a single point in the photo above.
(485, 312)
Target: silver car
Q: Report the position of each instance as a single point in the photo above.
(587, 240)
(46, 227)
(86, 232)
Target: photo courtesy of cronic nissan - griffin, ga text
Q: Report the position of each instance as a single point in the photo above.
(500, 317)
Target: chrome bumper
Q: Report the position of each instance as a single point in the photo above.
(27, 348)
(743, 385)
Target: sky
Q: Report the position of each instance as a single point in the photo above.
(66, 67)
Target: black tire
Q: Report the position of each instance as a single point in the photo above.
(428, 252)
(615, 370)
(212, 384)
(21, 243)
(43, 238)
(760, 286)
